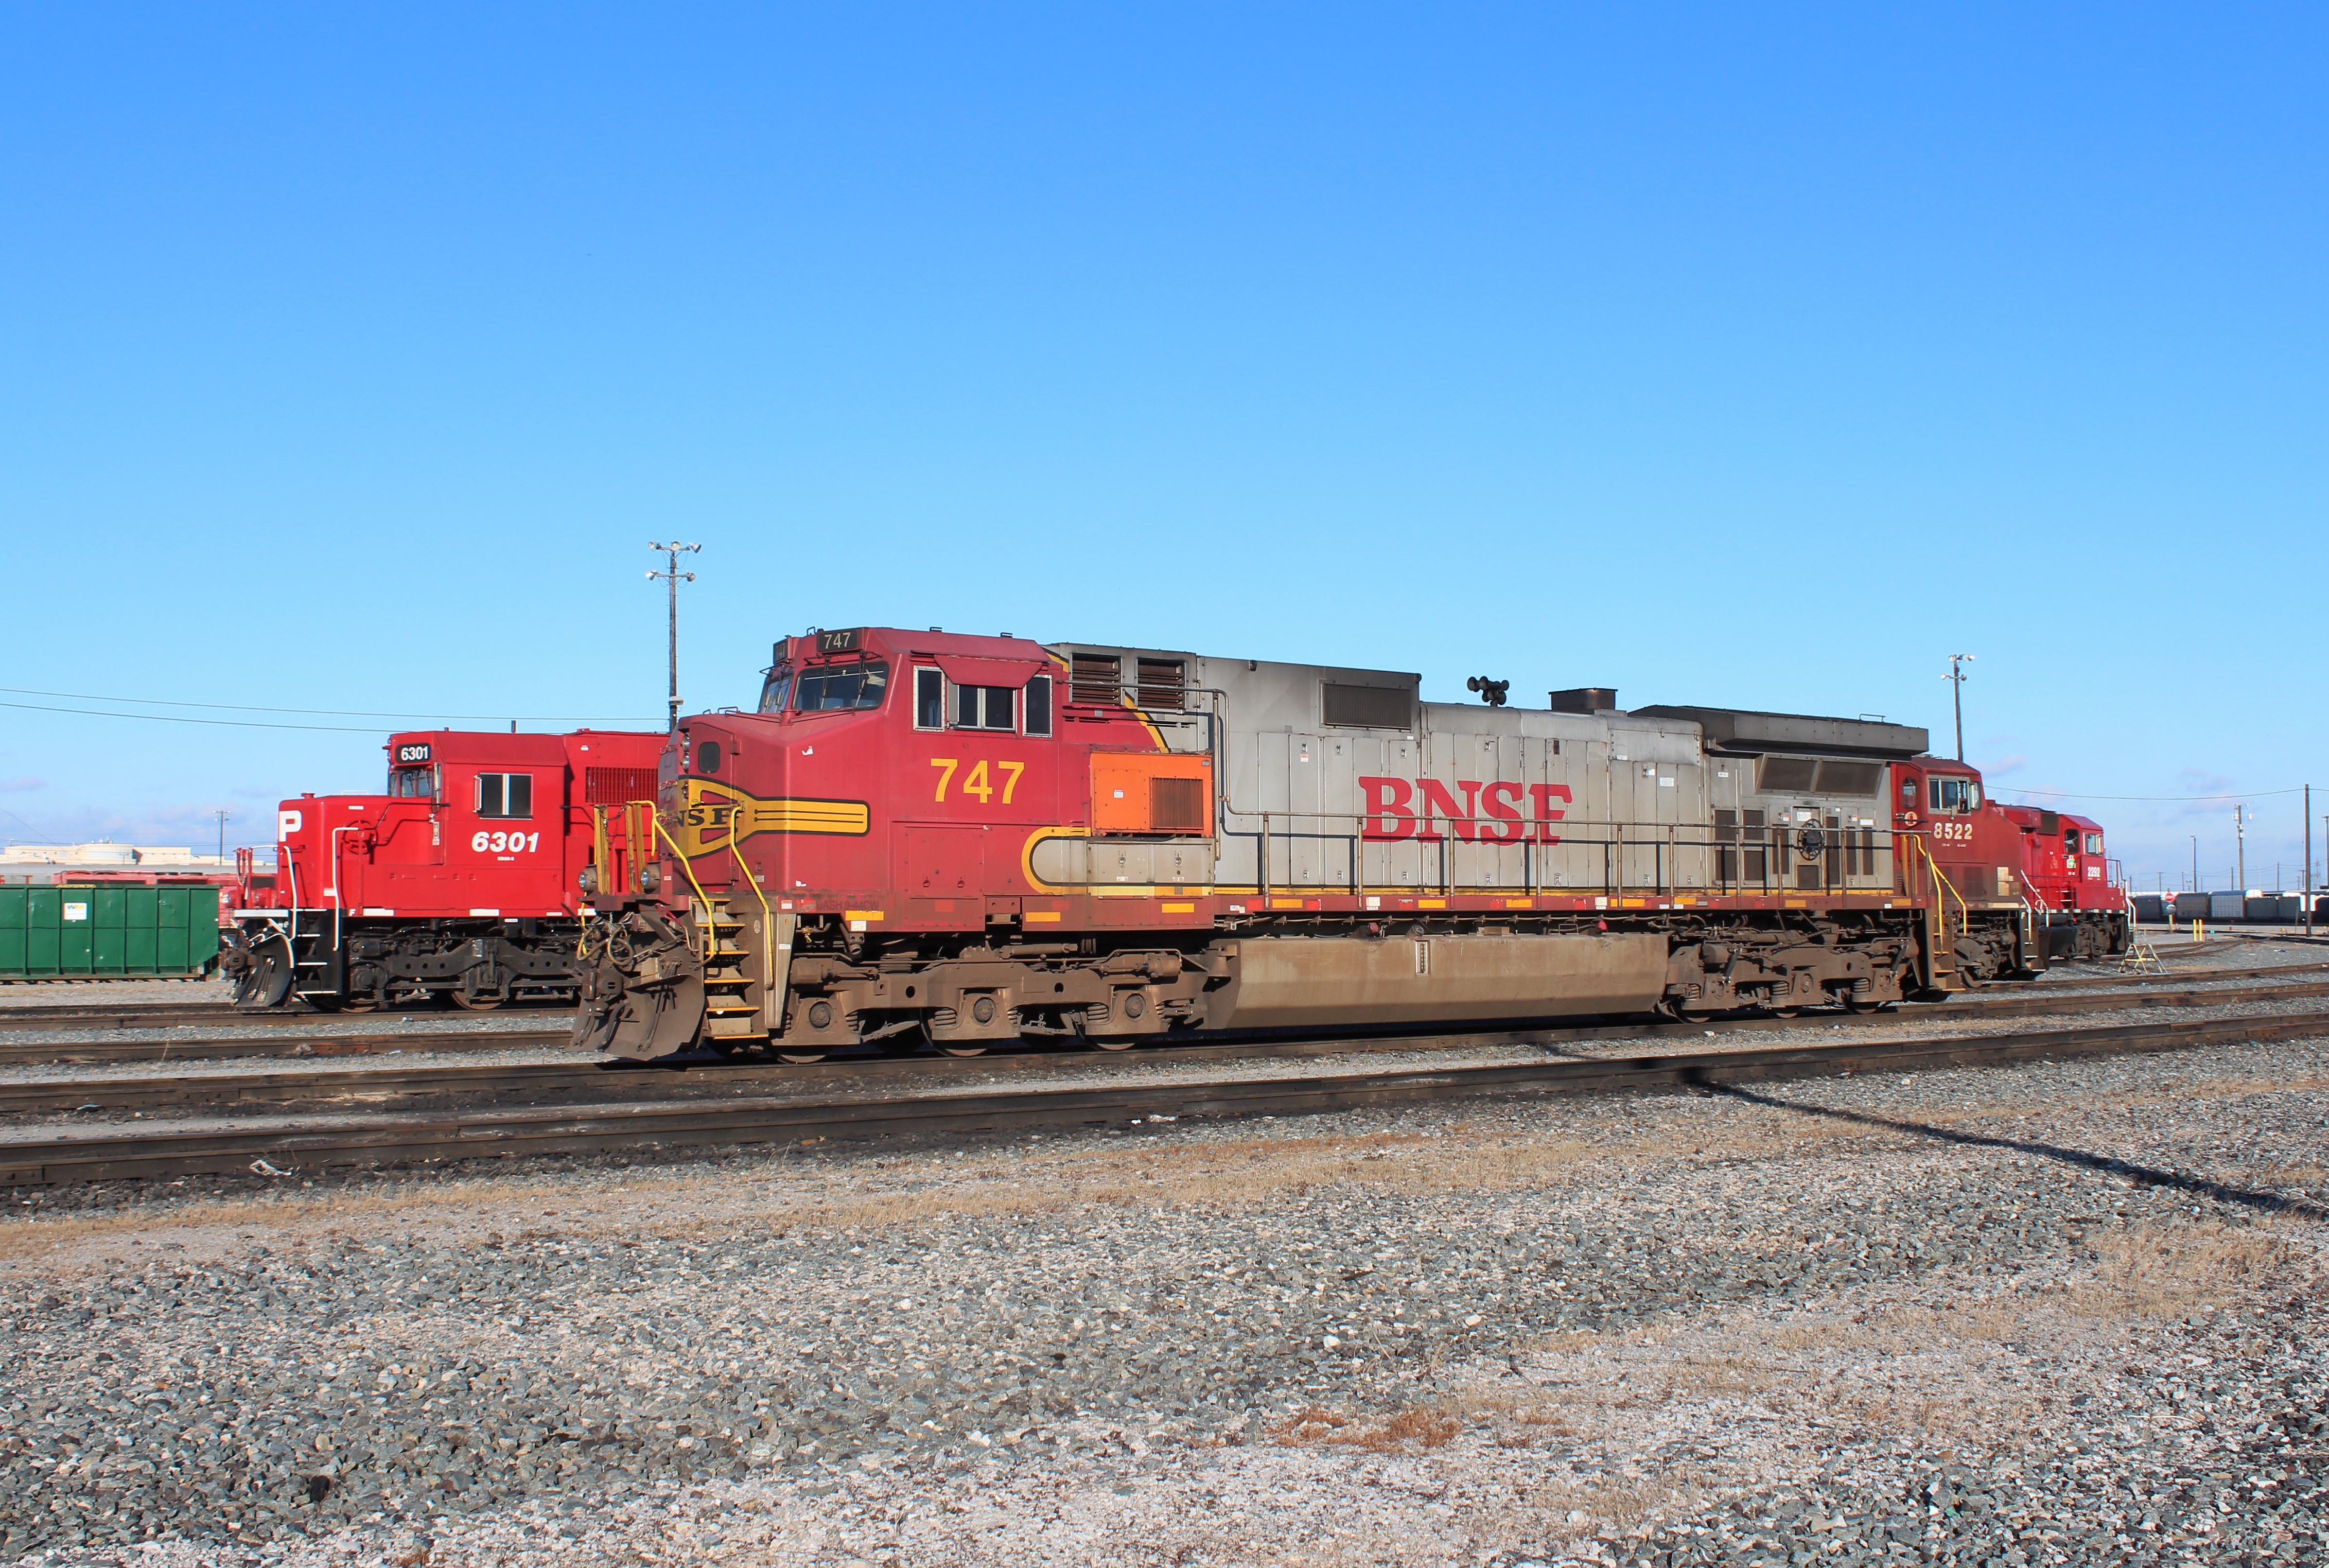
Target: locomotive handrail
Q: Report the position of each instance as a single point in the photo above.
(678, 855)
(1663, 841)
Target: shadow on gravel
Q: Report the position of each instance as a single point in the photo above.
(2151, 1176)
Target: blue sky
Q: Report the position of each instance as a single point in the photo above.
(349, 357)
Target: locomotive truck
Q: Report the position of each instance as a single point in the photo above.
(468, 879)
(961, 840)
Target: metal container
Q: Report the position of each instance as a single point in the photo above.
(2152, 907)
(68, 932)
(2192, 907)
(2227, 906)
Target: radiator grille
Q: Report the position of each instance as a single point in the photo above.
(1369, 707)
(1160, 683)
(1176, 805)
(1094, 679)
(611, 786)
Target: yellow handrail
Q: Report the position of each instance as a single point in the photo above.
(656, 818)
(1942, 890)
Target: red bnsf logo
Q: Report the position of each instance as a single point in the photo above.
(1489, 812)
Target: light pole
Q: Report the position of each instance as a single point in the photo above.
(2241, 842)
(1956, 679)
(673, 577)
(2195, 862)
(222, 815)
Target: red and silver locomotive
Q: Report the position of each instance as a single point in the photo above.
(467, 881)
(963, 839)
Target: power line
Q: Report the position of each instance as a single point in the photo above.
(307, 712)
(28, 827)
(240, 723)
(2223, 795)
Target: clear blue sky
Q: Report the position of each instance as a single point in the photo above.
(349, 356)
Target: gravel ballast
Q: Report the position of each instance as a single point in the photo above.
(2069, 1312)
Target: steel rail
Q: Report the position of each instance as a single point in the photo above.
(317, 1083)
(461, 1136)
(216, 1048)
(146, 1016)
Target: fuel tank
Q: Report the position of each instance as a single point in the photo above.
(1306, 982)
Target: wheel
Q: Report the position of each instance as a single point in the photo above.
(1112, 1042)
(360, 1001)
(964, 1050)
(801, 1058)
(1784, 1012)
(1866, 1006)
(476, 1001)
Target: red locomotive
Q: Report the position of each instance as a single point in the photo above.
(468, 879)
(2081, 909)
(962, 840)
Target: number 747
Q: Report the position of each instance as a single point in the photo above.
(975, 781)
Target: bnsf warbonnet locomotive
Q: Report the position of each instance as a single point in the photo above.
(967, 840)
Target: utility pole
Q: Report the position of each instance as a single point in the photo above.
(2195, 862)
(672, 576)
(222, 815)
(2240, 839)
(1956, 679)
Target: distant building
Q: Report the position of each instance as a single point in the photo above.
(41, 865)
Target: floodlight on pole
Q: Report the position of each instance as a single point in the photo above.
(1956, 679)
(673, 577)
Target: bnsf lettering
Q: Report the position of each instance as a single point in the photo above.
(1488, 813)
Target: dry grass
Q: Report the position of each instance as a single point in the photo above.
(1410, 1430)
(2164, 1270)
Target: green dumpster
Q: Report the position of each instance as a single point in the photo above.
(107, 930)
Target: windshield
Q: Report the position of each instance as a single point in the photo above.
(834, 686)
(779, 685)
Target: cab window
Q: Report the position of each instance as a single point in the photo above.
(839, 687)
(985, 707)
(2094, 843)
(1954, 794)
(505, 795)
(412, 783)
(779, 686)
(1039, 705)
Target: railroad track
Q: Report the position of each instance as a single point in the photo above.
(358, 1141)
(2016, 1002)
(194, 1015)
(289, 1043)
